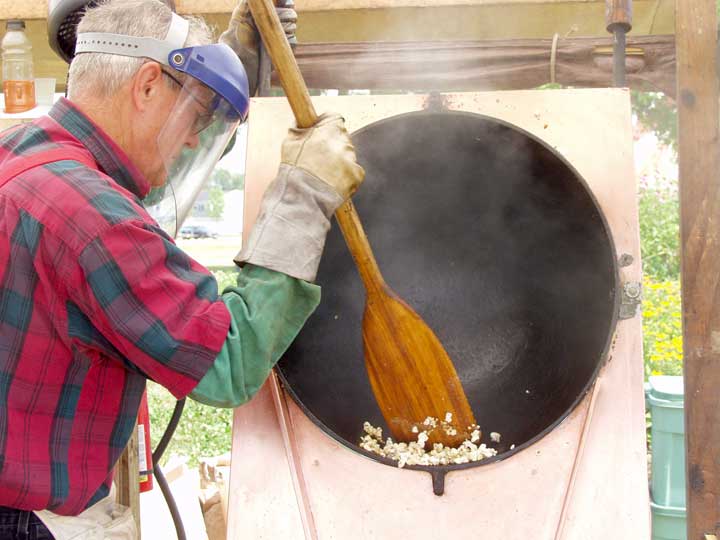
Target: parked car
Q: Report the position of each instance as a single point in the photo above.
(196, 231)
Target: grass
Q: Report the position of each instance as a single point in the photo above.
(214, 253)
(202, 432)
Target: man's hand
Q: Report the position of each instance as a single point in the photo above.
(326, 152)
(242, 37)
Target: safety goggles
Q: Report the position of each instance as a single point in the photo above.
(204, 118)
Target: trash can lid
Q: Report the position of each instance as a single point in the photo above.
(669, 511)
(667, 387)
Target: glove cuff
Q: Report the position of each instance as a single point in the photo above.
(289, 233)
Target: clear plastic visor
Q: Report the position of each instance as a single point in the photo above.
(190, 144)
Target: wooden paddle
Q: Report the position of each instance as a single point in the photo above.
(411, 375)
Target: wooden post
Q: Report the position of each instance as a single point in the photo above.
(127, 479)
(699, 161)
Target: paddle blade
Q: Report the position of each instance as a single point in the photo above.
(411, 375)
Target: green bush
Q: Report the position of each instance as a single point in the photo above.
(658, 206)
(662, 310)
(658, 113)
(662, 327)
(659, 233)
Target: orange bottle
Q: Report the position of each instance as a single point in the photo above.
(145, 463)
(17, 68)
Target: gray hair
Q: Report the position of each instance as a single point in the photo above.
(101, 75)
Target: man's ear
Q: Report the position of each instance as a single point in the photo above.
(146, 85)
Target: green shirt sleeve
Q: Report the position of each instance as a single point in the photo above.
(267, 310)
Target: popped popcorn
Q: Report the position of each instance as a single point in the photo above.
(414, 452)
(422, 438)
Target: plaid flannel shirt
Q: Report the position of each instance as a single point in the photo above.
(94, 299)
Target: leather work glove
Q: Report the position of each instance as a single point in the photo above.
(318, 172)
(242, 36)
(325, 151)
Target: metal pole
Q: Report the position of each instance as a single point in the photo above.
(618, 20)
(619, 57)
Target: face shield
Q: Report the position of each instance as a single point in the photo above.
(211, 101)
(192, 141)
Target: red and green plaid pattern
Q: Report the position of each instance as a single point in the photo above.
(94, 299)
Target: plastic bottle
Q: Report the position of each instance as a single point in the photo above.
(17, 68)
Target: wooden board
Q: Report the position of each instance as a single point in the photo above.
(337, 21)
(506, 64)
(699, 162)
(359, 20)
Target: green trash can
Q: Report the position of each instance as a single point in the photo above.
(668, 522)
(665, 399)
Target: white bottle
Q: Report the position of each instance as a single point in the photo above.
(17, 68)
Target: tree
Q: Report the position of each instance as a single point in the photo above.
(226, 180)
(216, 202)
(658, 113)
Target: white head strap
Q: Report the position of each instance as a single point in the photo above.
(139, 47)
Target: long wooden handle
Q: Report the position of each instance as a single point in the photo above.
(268, 23)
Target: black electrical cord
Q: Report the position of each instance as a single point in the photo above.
(157, 471)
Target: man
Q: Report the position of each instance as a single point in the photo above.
(95, 298)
